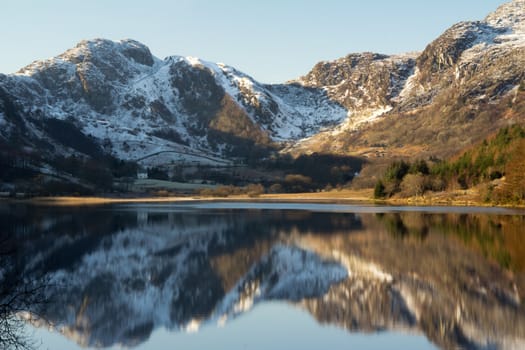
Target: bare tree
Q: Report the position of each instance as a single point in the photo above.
(413, 185)
(17, 295)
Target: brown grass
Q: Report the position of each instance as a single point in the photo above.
(78, 201)
(346, 195)
(334, 195)
(450, 198)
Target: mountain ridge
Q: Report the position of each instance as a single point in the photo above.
(133, 106)
(466, 71)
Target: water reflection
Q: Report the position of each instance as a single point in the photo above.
(120, 272)
(18, 293)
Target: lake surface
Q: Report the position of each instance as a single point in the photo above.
(267, 276)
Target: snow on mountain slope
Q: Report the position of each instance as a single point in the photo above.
(509, 15)
(445, 90)
(134, 104)
(370, 85)
(138, 107)
(288, 111)
(465, 50)
(366, 84)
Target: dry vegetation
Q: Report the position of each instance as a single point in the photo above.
(447, 117)
(492, 172)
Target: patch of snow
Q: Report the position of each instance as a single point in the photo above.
(360, 267)
(300, 112)
(286, 273)
(357, 120)
(503, 28)
(509, 15)
(193, 326)
(410, 86)
(410, 300)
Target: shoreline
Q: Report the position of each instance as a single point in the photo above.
(342, 196)
(286, 197)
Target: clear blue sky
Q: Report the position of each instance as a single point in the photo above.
(272, 40)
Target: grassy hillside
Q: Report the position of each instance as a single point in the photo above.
(496, 167)
(453, 121)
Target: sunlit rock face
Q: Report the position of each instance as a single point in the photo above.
(117, 275)
(462, 87)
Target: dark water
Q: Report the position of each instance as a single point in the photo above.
(260, 276)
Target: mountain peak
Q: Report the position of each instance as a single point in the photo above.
(130, 48)
(117, 54)
(509, 15)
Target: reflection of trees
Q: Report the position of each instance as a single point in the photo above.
(16, 296)
(441, 282)
(401, 227)
(446, 282)
(497, 237)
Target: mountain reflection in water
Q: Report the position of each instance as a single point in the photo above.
(117, 273)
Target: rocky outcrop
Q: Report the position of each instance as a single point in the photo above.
(464, 86)
(362, 81)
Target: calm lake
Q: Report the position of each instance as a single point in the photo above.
(267, 276)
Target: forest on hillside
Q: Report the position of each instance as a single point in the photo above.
(496, 167)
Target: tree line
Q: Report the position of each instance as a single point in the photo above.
(501, 157)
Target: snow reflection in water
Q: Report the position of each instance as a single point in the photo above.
(125, 274)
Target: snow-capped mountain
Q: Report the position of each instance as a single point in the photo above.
(133, 104)
(463, 86)
(106, 97)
